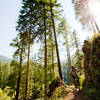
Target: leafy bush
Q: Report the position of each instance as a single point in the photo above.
(4, 96)
(54, 84)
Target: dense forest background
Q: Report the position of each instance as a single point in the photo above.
(43, 75)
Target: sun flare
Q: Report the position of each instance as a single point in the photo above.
(94, 6)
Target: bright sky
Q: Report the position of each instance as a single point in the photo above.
(9, 11)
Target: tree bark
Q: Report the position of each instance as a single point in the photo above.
(77, 46)
(45, 98)
(27, 74)
(52, 60)
(19, 77)
(68, 56)
(57, 51)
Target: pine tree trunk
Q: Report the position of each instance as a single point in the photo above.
(68, 56)
(52, 60)
(57, 51)
(30, 81)
(19, 78)
(45, 98)
(78, 52)
(77, 46)
(27, 74)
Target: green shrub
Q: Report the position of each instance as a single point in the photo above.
(4, 96)
(54, 84)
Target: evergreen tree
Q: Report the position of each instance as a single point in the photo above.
(19, 43)
(63, 28)
(52, 4)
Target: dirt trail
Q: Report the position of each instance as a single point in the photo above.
(79, 95)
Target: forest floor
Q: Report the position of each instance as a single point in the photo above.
(76, 95)
(72, 94)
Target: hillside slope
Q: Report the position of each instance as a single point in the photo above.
(5, 59)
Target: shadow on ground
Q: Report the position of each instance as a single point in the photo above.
(79, 95)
